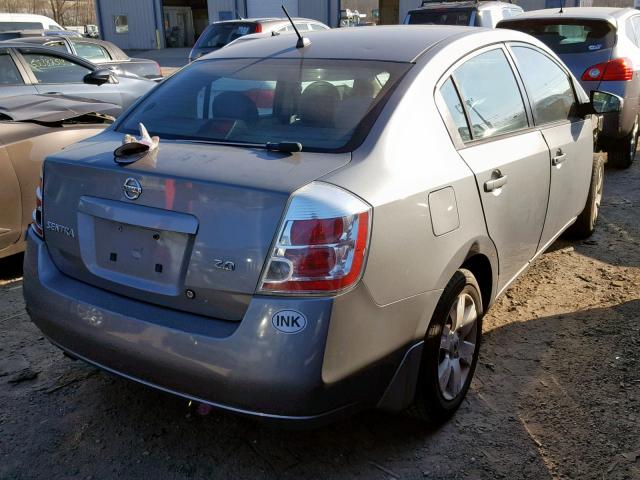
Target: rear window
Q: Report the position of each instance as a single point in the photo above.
(15, 26)
(444, 16)
(326, 105)
(219, 35)
(567, 35)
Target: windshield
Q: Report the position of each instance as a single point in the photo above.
(567, 35)
(444, 16)
(219, 35)
(318, 103)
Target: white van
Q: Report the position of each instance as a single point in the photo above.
(10, 22)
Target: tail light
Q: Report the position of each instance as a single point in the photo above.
(37, 213)
(322, 243)
(617, 69)
(258, 28)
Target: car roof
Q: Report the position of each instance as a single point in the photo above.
(464, 4)
(267, 20)
(594, 13)
(395, 43)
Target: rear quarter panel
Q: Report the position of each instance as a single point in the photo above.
(407, 155)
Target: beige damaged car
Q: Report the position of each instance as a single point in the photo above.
(32, 127)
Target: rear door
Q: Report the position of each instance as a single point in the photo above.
(570, 138)
(509, 158)
(11, 213)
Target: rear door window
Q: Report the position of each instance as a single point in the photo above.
(9, 74)
(490, 95)
(91, 51)
(441, 16)
(549, 87)
(568, 35)
(49, 68)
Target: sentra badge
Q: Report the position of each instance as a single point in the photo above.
(56, 227)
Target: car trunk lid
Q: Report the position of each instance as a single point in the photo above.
(196, 237)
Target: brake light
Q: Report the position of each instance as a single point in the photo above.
(616, 69)
(37, 213)
(322, 243)
(258, 28)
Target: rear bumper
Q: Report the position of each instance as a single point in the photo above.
(247, 367)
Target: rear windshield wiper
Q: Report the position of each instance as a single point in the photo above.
(283, 147)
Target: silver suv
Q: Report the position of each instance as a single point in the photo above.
(472, 14)
(601, 46)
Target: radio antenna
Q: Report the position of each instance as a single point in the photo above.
(302, 41)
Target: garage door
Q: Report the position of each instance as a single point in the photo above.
(271, 8)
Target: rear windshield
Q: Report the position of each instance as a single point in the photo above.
(15, 26)
(444, 16)
(322, 104)
(567, 35)
(219, 35)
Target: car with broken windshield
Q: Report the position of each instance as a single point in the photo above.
(297, 229)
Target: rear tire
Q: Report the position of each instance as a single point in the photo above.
(451, 348)
(624, 155)
(585, 224)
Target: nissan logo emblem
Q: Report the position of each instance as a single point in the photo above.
(132, 188)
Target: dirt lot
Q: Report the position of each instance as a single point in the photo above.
(557, 393)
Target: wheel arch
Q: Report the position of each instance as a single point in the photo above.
(480, 266)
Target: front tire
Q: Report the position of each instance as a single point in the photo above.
(585, 224)
(451, 349)
(624, 155)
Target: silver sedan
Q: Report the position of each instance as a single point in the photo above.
(323, 222)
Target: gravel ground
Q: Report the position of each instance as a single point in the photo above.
(556, 395)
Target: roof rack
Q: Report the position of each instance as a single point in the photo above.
(427, 2)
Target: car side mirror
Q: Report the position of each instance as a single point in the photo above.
(99, 77)
(599, 103)
(605, 102)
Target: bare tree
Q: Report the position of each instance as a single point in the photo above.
(58, 8)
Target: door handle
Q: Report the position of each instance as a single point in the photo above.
(495, 183)
(53, 93)
(559, 158)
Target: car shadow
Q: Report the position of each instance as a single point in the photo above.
(552, 396)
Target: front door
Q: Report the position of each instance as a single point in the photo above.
(56, 74)
(569, 138)
(509, 158)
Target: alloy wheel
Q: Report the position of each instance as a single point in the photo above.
(458, 343)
